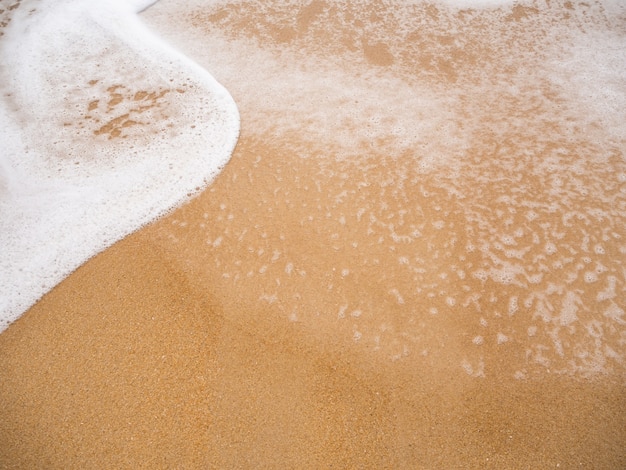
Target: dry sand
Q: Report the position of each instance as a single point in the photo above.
(267, 324)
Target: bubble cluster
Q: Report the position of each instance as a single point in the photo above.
(105, 128)
(452, 174)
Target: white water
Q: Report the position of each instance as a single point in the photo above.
(104, 129)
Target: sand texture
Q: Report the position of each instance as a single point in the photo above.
(415, 258)
(129, 365)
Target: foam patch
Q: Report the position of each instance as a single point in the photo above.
(105, 128)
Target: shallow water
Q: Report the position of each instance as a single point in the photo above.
(441, 185)
(421, 223)
(104, 128)
(440, 182)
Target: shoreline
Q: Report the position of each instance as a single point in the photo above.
(340, 295)
(132, 362)
(154, 374)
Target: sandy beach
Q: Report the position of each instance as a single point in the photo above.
(415, 258)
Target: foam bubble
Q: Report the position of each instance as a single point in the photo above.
(475, 4)
(289, 268)
(569, 308)
(615, 313)
(550, 248)
(105, 128)
(590, 276)
(609, 292)
(502, 338)
(481, 274)
(342, 311)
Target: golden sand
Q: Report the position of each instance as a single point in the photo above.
(309, 312)
(128, 364)
(138, 361)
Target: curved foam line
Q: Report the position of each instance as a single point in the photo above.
(106, 128)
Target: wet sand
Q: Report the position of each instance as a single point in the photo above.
(128, 364)
(312, 309)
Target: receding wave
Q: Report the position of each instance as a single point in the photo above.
(104, 129)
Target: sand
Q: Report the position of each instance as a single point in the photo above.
(307, 310)
(128, 365)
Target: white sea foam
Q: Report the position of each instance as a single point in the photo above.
(104, 128)
(475, 4)
(516, 110)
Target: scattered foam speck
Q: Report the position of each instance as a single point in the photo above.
(463, 162)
